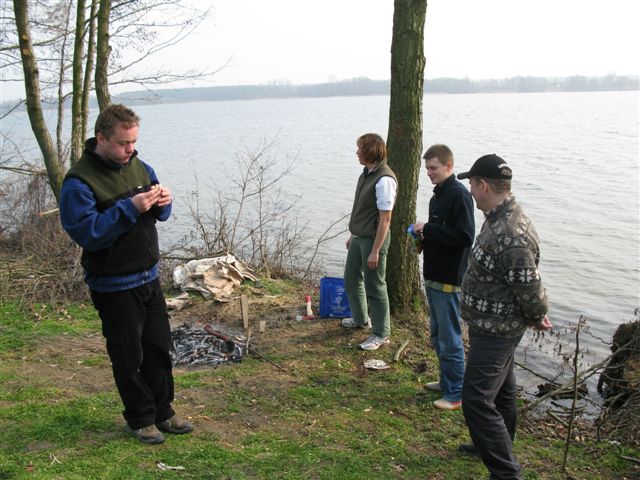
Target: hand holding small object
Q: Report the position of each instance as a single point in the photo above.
(145, 200)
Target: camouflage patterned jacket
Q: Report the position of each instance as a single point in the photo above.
(502, 293)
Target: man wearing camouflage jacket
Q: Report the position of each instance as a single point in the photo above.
(502, 295)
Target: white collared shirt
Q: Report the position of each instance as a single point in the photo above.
(386, 193)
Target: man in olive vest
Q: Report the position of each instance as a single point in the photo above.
(365, 269)
(109, 204)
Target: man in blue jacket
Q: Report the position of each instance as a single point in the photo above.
(109, 204)
(446, 241)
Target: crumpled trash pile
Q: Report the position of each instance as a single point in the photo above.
(213, 277)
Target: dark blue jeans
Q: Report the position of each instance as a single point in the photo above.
(136, 325)
(446, 337)
(489, 402)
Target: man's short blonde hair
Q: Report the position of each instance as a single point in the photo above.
(114, 115)
(441, 152)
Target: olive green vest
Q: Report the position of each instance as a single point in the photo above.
(137, 249)
(110, 183)
(365, 214)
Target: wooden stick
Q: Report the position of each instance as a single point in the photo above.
(524, 367)
(557, 418)
(244, 311)
(396, 356)
(248, 338)
(567, 387)
(48, 212)
(255, 352)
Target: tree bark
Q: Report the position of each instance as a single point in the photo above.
(86, 88)
(77, 84)
(34, 103)
(60, 144)
(404, 145)
(102, 55)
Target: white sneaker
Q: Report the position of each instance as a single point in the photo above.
(443, 404)
(351, 323)
(373, 343)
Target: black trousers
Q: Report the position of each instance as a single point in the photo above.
(135, 324)
(489, 402)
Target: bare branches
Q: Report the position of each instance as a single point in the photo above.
(254, 218)
(18, 104)
(325, 237)
(565, 457)
(26, 171)
(42, 29)
(150, 27)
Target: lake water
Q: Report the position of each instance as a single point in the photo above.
(575, 158)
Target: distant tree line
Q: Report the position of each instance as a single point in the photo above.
(533, 84)
(365, 86)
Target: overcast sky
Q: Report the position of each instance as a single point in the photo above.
(305, 41)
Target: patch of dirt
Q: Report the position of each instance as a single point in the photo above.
(81, 367)
(77, 365)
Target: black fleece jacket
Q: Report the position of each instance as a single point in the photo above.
(448, 235)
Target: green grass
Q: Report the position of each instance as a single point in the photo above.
(321, 421)
(20, 324)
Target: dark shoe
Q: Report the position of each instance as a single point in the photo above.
(150, 435)
(176, 425)
(469, 449)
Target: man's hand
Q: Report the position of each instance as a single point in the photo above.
(349, 241)
(372, 261)
(417, 227)
(545, 324)
(145, 200)
(165, 197)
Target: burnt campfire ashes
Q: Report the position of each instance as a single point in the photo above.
(195, 345)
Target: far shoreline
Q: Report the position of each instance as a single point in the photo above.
(366, 87)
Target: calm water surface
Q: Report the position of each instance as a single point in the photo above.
(574, 155)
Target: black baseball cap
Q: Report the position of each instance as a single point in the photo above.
(489, 166)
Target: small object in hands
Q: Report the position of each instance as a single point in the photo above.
(307, 300)
(416, 237)
(156, 186)
(411, 231)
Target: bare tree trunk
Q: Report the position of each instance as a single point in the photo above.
(34, 103)
(404, 143)
(76, 105)
(102, 55)
(86, 88)
(61, 78)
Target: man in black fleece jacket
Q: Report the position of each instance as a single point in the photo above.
(446, 241)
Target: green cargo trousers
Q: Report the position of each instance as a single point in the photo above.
(367, 289)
